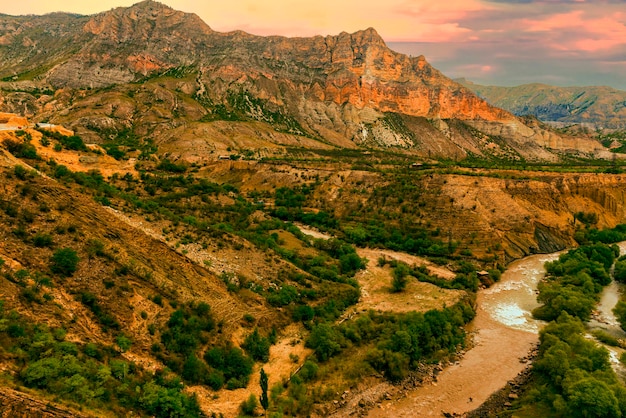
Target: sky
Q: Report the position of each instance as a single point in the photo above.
(494, 42)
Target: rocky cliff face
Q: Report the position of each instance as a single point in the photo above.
(340, 89)
(358, 69)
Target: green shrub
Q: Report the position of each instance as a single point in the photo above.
(20, 172)
(308, 371)
(620, 313)
(167, 165)
(73, 142)
(605, 338)
(400, 273)
(248, 406)
(64, 261)
(43, 240)
(257, 346)
(21, 149)
(123, 342)
(231, 363)
(325, 340)
(393, 365)
(91, 376)
(620, 271)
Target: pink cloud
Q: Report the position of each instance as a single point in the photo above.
(428, 21)
(584, 33)
(477, 69)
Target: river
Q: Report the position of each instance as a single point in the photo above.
(504, 332)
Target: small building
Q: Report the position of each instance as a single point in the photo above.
(483, 274)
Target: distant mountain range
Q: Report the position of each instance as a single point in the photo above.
(593, 106)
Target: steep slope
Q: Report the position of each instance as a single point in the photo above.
(104, 288)
(594, 106)
(347, 90)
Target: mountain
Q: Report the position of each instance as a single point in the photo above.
(170, 78)
(593, 106)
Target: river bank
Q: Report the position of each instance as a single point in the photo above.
(504, 335)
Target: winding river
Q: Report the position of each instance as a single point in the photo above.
(504, 333)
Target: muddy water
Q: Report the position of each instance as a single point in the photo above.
(511, 301)
(504, 332)
(604, 318)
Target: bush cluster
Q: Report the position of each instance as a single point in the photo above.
(92, 375)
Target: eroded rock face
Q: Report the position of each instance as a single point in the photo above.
(146, 21)
(16, 404)
(356, 69)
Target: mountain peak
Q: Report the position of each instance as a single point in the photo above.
(369, 37)
(371, 34)
(149, 8)
(145, 20)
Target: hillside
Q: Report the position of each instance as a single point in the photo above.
(166, 76)
(592, 106)
(160, 250)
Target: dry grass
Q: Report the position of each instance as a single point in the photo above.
(279, 368)
(376, 289)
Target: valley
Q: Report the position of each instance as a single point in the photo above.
(459, 209)
(185, 213)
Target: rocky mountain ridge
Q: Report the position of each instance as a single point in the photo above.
(348, 90)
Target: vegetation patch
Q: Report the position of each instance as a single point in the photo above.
(90, 375)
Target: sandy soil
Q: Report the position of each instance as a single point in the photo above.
(280, 367)
(81, 161)
(375, 282)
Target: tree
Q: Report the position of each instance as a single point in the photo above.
(265, 403)
(123, 342)
(64, 261)
(399, 277)
(257, 347)
(592, 398)
(620, 313)
(248, 406)
(325, 340)
(620, 271)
